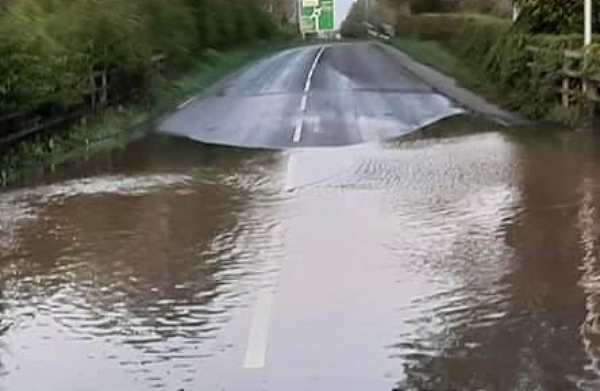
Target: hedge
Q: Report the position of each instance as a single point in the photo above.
(49, 47)
(498, 50)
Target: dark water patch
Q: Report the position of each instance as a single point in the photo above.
(465, 262)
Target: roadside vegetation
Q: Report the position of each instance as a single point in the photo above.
(437, 56)
(51, 49)
(116, 126)
(518, 64)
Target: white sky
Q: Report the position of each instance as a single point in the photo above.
(341, 10)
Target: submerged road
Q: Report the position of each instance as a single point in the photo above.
(455, 259)
(327, 95)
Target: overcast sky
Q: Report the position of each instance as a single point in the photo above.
(341, 10)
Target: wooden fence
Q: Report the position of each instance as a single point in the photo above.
(577, 87)
(20, 125)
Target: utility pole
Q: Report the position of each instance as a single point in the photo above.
(588, 21)
(587, 37)
(300, 19)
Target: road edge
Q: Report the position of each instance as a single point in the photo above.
(445, 85)
(139, 126)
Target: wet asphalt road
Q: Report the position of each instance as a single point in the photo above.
(458, 258)
(327, 95)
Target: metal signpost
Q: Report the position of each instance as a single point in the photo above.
(587, 29)
(317, 16)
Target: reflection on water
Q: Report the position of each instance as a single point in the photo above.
(464, 262)
(116, 281)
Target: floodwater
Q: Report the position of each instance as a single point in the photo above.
(445, 261)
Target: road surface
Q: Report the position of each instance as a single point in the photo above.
(450, 260)
(324, 95)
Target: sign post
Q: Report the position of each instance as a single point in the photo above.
(317, 16)
(588, 22)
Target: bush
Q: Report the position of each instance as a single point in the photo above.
(49, 47)
(353, 26)
(553, 16)
(36, 70)
(171, 29)
(500, 51)
(353, 31)
(421, 6)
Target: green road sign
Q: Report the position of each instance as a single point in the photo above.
(317, 15)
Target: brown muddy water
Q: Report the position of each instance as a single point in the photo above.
(462, 262)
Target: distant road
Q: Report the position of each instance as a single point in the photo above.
(323, 95)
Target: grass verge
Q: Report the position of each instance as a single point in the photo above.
(436, 56)
(118, 126)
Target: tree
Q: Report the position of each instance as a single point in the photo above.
(421, 6)
(49, 49)
(497, 7)
(353, 27)
(553, 16)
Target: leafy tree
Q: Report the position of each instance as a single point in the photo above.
(246, 27)
(420, 6)
(353, 26)
(553, 16)
(35, 67)
(498, 7)
(49, 47)
(265, 25)
(170, 27)
(228, 33)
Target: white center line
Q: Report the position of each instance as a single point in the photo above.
(259, 331)
(298, 130)
(187, 102)
(288, 184)
(307, 86)
(315, 62)
(303, 103)
(313, 67)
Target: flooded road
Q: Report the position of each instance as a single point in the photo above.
(314, 96)
(459, 262)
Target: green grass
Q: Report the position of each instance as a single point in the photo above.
(436, 56)
(484, 18)
(116, 127)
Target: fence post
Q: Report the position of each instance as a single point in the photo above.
(93, 89)
(566, 84)
(104, 89)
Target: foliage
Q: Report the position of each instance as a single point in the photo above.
(49, 47)
(501, 7)
(553, 16)
(171, 28)
(116, 126)
(422, 6)
(500, 51)
(353, 26)
(493, 7)
(30, 55)
(592, 65)
(436, 55)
